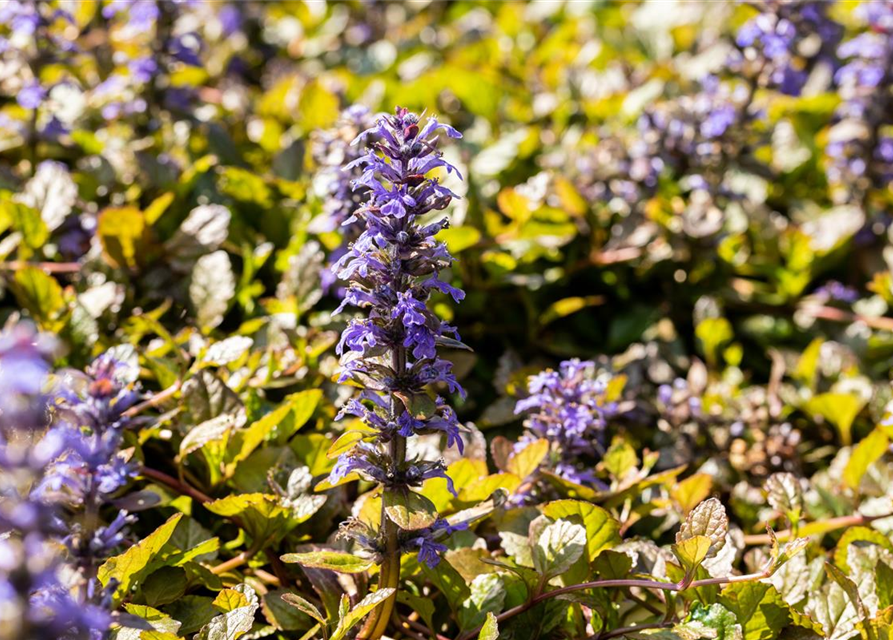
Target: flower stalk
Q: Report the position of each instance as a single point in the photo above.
(391, 269)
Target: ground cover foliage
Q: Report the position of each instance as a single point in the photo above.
(445, 320)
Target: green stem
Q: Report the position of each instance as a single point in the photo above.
(238, 560)
(389, 573)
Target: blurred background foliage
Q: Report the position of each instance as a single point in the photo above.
(585, 230)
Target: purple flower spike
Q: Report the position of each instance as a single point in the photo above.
(568, 408)
(392, 266)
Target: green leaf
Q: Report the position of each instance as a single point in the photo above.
(206, 396)
(139, 618)
(780, 556)
(849, 587)
(245, 441)
(869, 450)
(311, 450)
(523, 463)
(227, 351)
(192, 542)
(121, 232)
(421, 604)
(363, 608)
(419, 405)
(487, 595)
(691, 552)
(612, 565)
(318, 107)
(840, 409)
(303, 405)
(215, 430)
(880, 627)
(240, 605)
(567, 306)
(26, 220)
(620, 458)
(157, 635)
(231, 599)
(164, 586)
(807, 365)
(858, 534)
(602, 530)
(458, 239)
(157, 207)
(713, 333)
(331, 560)
(558, 546)
(514, 205)
(831, 608)
(693, 490)
(717, 618)
(245, 186)
(707, 519)
(884, 578)
(757, 607)
(302, 605)
(263, 516)
(486, 487)
(193, 612)
(40, 294)
(490, 629)
(347, 441)
(133, 565)
(449, 582)
(411, 511)
(286, 615)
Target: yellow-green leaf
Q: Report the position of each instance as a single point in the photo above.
(864, 454)
(133, 565)
(409, 510)
(331, 560)
(121, 231)
(840, 409)
(526, 461)
(602, 530)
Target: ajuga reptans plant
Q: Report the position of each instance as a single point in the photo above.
(392, 269)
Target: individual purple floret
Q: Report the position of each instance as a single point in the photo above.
(391, 269)
(425, 540)
(567, 407)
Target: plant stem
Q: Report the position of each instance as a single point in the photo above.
(155, 400)
(816, 528)
(389, 573)
(177, 485)
(49, 267)
(624, 630)
(237, 561)
(627, 582)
